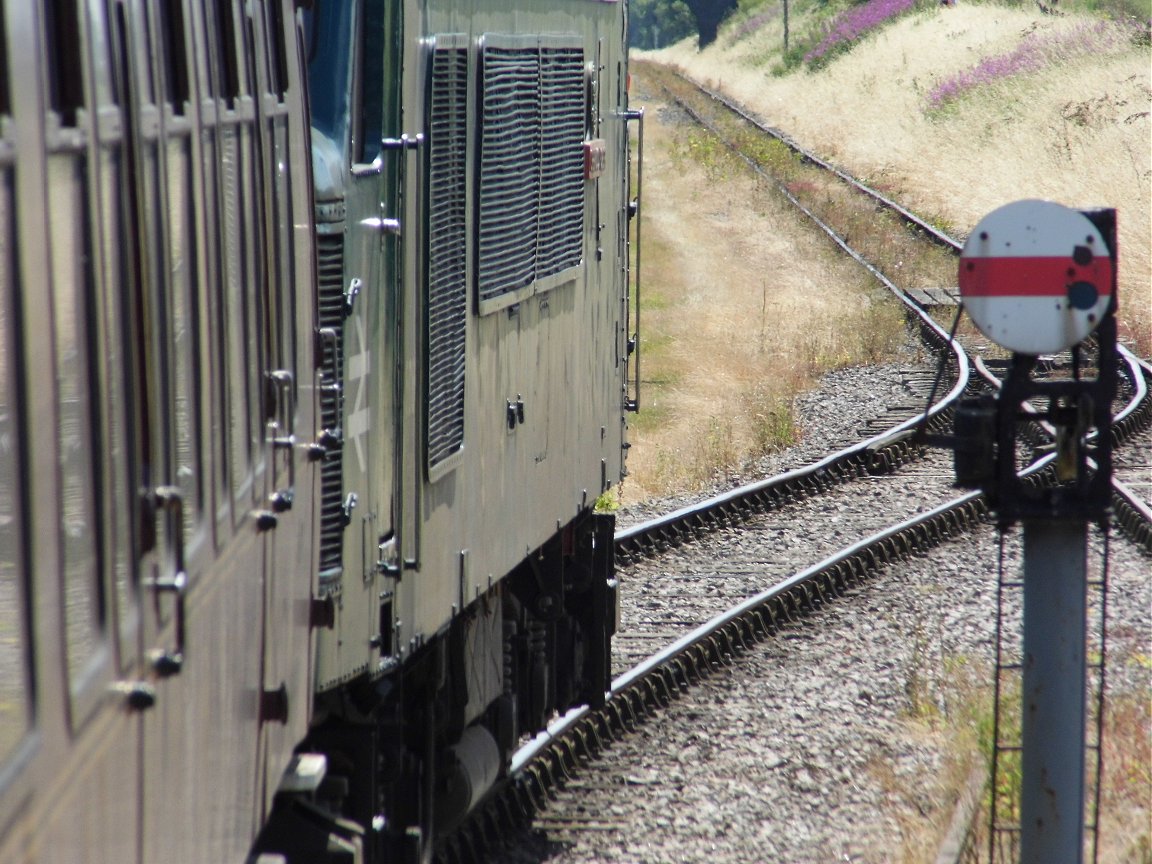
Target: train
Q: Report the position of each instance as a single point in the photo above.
(318, 347)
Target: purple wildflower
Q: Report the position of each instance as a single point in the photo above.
(753, 23)
(853, 23)
(1034, 52)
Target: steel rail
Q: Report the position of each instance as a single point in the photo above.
(553, 756)
(541, 764)
(1137, 415)
(878, 454)
(668, 655)
(1130, 512)
(657, 678)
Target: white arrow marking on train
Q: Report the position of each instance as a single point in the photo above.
(358, 418)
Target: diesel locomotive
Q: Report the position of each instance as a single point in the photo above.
(316, 353)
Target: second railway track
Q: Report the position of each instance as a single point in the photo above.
(673, 595)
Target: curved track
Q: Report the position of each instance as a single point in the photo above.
(1133, 512)
(704, 645)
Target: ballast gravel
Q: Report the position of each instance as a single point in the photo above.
(846, 737)
(835, 415)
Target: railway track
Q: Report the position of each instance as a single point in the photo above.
(712, 607)
(1132, 501)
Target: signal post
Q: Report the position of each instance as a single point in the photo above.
(1039, 278)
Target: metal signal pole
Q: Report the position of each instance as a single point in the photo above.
(1039, 278)
(1055, 631)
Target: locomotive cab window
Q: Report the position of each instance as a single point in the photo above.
(369, 129)
(352, 91)
(327, 33)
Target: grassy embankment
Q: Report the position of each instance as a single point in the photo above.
(954, 111)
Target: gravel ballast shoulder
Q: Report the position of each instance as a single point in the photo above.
(847, 737)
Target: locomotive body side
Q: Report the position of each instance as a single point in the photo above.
(313, 362)
(472, 209)
(156, 524)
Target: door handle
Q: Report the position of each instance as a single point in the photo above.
(281, 407)
(171, 500)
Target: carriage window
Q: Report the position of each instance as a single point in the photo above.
(232, 303)
(4, 76)
(65, 72)
(183, 299)
(73, 314)
(15, 699)
(72, 280)
(278, 60)
(182, 260)
(229, 55)
(176, 86)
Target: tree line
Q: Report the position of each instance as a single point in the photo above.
(656, 23)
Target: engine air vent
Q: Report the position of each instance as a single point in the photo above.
(330, 267)
(531, 195)
(447, 278)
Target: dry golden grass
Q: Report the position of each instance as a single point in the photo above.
(1078, 133)
(1128, 781)
(743, 307)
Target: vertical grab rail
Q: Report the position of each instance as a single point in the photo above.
(633, 404)
(402, 146)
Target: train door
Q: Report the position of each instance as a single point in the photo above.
(16, 655)
(91, 532)
(154, 281)
(372, 377)
(103, 648)
(19, 699)
(51, 242)
(288, 409)
(354, 102)
(193, 351)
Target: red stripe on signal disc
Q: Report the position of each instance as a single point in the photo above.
(1031, 277)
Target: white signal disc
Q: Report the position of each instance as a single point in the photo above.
(1036, 277)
